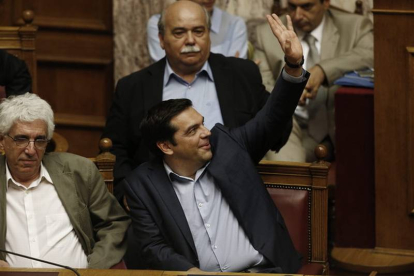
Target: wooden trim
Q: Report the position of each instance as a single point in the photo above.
(63, 119)
(69, 23)
(410, 133)
(391, 12)
(74, 60)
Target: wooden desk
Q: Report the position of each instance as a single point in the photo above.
(113, 272)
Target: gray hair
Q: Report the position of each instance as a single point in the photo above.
(161, 21)
(25, 108)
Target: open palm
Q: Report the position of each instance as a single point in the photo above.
(287, 38)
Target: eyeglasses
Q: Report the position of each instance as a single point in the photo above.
(22, 142)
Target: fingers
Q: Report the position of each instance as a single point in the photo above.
(237, 54)
(289, 23)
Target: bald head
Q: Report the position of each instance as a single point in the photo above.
(185, 36)
(172, 10)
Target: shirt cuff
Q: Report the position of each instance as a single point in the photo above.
(293, 79)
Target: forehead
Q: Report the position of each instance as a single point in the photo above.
(187, 118)
(185, 14)
(35, 128)
(303, 2)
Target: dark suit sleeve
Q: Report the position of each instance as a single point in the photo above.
(16, 77)
(260, 133)
(251, 74)
(117, 130)
(155, 250)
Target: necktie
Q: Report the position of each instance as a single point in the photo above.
(313, 54)
(317, 123)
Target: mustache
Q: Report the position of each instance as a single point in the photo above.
(190, 49)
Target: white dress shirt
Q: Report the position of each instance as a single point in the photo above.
(38, 225)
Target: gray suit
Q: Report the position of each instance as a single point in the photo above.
(98, 220)
(347, 45)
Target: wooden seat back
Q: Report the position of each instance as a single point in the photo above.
(299, 190)
(21, 42)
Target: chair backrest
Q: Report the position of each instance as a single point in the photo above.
(300, 192)
(21, 42)
(105, 161)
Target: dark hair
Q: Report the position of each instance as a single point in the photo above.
(157, 127)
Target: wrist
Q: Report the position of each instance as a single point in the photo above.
(295, 65)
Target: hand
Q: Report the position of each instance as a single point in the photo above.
(126, 204)
(4, 264)
(316, 79)
(237, 54)
(195, 269)
(287, 38)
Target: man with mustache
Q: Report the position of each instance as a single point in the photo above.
(339, 42)
(228, 33)
(223, 90)
(201, 205)
(53, 206)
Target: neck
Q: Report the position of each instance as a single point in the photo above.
(182, 168)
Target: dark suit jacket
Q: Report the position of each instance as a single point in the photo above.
(160, 228)
(240, 92)
(14, 75)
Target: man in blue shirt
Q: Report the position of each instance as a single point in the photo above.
(224, 90)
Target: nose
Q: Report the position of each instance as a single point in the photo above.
(297, 14)
(30, 148)
(205, 132)
(190, 38)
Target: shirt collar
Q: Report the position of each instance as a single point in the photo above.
(44, 174)
(174, 176)
(216, 20)
(169, 73)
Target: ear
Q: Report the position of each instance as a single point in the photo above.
(161, 38)
(165, 147)
(1, 143)
(326, 4)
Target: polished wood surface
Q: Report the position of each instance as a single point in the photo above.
(75, 64)
(394, 145)
(394, 123)
(115, 272)
(105, 162)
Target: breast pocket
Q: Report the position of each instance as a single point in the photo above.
(58, 229)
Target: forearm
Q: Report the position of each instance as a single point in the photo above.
(110, 224)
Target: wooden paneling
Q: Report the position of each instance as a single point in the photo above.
(75, 64)
(394, 123)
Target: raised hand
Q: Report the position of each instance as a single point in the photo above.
(287, 38)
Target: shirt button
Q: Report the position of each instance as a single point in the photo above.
(200, 205)
(215, 246)
(208, 225)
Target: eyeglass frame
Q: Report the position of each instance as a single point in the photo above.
(29, 141)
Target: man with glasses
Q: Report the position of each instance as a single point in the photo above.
(53, 206)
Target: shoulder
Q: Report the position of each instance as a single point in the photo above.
(153, 20)
(68, 159)
(345, 21)
(154, 69)
(237, 64)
